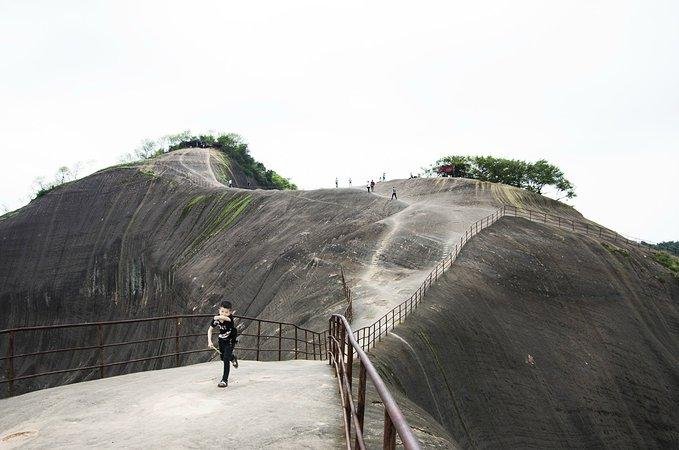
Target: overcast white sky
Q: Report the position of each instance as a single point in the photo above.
(352, 89)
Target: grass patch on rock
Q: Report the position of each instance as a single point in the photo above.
(615, 250)
(220, 217)
(671, 262)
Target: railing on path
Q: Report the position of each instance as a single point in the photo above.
(576, 226)
(174, 338)
(342, 346)
(370, 335)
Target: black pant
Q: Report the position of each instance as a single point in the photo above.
(393, 196)
(226, 348)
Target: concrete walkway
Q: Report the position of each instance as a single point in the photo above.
(289, 404)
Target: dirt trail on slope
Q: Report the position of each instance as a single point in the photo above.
(438, 212)
(413, 240)
(191, 164)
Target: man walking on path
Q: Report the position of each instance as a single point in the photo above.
(349, 182)
(372, 185)
(368, 187)
(336, 183)
(393, 193)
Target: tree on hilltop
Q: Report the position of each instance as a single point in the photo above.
(522, 174)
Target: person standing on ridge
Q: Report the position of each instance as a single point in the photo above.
(349, 182)
(393, 193)
(372, 185)
(336, 183)
(227, 339)
(368, 186)
(384, 176)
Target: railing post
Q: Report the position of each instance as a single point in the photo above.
(100, 343)
(306, 345)
(530, 214)
(280, 341)
(360, 406)
(389, 433)
(259, 334)
(350, 361)
(176, 341)
(296, 347)
(329, 335)
(10, 363)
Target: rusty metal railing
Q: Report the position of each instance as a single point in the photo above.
(176, 340)
(342, 346)
(577, 226)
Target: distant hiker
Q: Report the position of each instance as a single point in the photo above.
(393, 193)
(372, 185)
(227, 339)
(230, 183)
(248, 184)
(349, 181)
(368, 186)
(384, 176)
(336, 183)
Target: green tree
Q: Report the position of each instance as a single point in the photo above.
(531, 176)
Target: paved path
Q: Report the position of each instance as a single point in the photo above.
(289, 404)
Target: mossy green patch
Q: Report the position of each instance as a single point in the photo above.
(615, 249)
(149, 173)
(221, 216)
(671, 262)
(221, 170)
(197, 200)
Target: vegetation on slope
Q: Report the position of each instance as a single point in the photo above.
(522, 174)
(62, 176)
(230, 144)
(668, 246)
(671, 262)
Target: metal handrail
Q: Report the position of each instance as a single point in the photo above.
(303, 344)
(341, 356)
(370, 335)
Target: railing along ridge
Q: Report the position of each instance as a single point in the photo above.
(370, 335)
(285, 340)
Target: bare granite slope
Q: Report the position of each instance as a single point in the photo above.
(541, 338)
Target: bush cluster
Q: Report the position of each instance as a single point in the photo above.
(522, 174)
(668, 246)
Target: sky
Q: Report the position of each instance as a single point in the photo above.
(355, 88)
